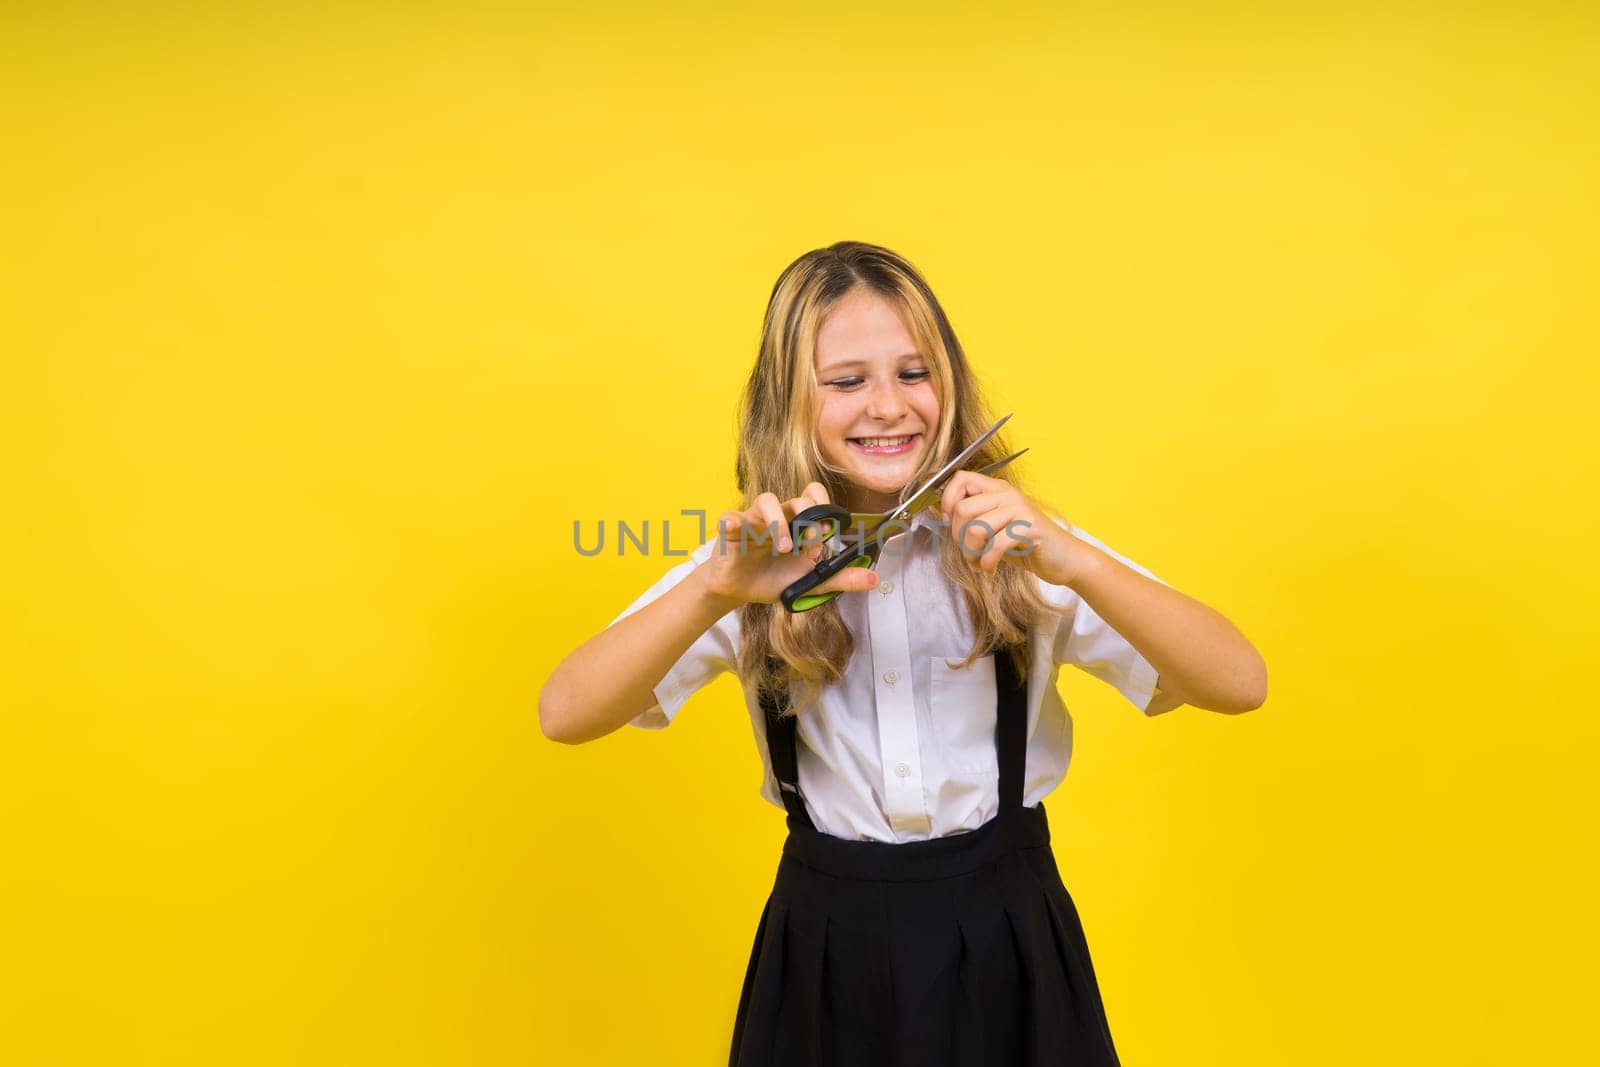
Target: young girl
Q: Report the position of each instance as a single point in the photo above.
(910, 727)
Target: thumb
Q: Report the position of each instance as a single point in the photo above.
(850, 580)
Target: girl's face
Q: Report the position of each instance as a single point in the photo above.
(876, 405)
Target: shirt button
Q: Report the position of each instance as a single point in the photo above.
(886, 588)
(891, 676)
(901, 770)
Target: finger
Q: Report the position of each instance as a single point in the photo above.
(813, 534)
(991, 559)
(770, 513)
(812, 495)
(963, 484)
(976, 535)
(807, 534)
(750, 534)
(954, 491)
(728, 524)
(980, 504)
(1011, 539)
(795, 506)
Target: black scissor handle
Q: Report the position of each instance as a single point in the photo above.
(798, 596)
(826, 519)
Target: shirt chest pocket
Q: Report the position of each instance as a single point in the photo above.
(961, 703)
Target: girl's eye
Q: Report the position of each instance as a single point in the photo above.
(853, 381)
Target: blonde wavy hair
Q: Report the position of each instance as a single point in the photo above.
(778, 453)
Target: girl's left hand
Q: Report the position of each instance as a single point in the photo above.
(993, 521)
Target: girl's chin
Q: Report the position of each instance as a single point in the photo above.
(878, 476)
(882, 479)
(881, 487)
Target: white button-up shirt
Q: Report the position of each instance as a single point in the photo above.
(902, 747)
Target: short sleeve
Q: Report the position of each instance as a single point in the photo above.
(713, 652)
(1086, 641)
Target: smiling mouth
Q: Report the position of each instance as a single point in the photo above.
(885, 446)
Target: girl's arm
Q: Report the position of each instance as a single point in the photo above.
(611, 678)
(1202, 659)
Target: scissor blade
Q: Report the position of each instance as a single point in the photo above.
(933, 492)
(930, 488)
(997, 464)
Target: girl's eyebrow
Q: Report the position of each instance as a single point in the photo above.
(847, 364)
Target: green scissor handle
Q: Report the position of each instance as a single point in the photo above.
(796, 599)
(826, 519)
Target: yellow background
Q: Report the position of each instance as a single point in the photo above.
(322, 325)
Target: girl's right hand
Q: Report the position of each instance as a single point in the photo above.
(744, 569)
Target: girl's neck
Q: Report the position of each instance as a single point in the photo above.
(868, 502)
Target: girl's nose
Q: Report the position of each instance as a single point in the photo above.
(886, 404)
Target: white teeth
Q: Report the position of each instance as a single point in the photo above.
(883, 442)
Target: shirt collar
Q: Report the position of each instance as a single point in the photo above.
(926, 519)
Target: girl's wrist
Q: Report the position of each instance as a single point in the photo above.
(1068, 559)
(715, 603)
(1086, 561)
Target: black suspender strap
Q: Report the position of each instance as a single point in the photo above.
(781, 750)
(1010, 740)
(1010, 728)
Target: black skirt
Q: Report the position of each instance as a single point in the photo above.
(955, 951)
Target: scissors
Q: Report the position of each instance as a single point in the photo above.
(862, 551)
